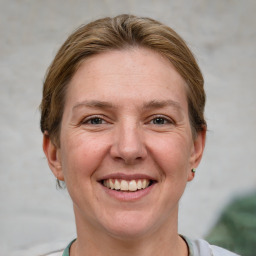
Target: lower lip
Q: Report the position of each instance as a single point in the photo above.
(128, 196)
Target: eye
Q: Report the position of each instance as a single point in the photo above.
(160, 120)
(94, 121)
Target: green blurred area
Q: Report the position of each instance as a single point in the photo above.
(236, 227)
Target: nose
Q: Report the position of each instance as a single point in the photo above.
(128, 144)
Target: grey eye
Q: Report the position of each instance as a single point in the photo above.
(95, 120)
(159, 120)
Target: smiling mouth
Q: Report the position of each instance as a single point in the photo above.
(127, 185)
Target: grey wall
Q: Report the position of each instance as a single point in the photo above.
(34, 216)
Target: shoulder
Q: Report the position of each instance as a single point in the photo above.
(200, 247)
(218, 251)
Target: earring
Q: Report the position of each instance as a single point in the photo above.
(193, 172)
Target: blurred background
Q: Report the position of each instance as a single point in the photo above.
(35, 217)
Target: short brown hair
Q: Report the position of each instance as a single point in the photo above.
(120, 32)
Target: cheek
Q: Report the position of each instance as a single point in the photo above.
(81, 155)
(172, 154)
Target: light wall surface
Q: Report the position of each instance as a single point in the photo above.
(34, 216)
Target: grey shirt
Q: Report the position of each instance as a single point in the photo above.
(201, 247)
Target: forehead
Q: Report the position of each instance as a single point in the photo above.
(138, 60)
(134, 72)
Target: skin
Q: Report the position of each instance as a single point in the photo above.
(126, 116)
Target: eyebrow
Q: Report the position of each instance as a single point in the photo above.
(161, 104)
(93, 104)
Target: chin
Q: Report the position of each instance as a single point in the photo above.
(129, 225)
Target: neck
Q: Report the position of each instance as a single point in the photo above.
(164, 241)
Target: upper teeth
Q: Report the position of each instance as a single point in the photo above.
(125, 185)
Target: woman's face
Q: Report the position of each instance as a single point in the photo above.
(126, 147)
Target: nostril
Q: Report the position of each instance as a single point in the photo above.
(128, 157)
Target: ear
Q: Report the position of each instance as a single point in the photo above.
(197, 152)
(52, 154)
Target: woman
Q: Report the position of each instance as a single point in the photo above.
(124, 128)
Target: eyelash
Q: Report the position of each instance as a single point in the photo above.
(162, 118)
(100, 120)
(91, 118)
